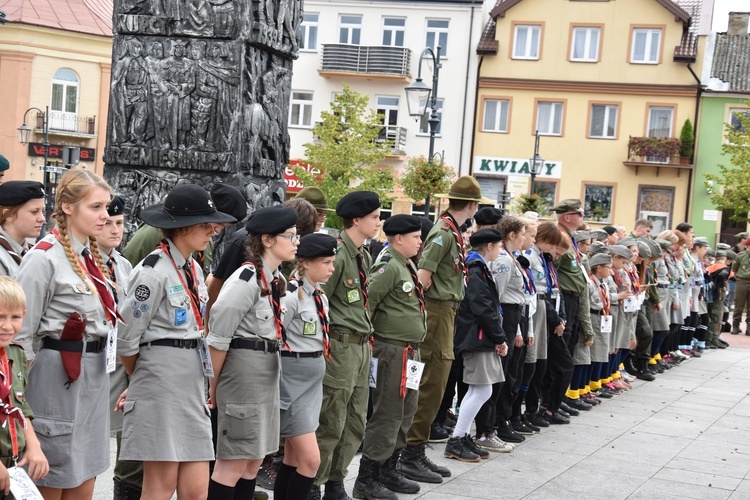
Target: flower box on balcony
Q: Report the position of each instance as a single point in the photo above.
(654, 149)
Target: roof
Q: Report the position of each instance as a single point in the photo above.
(503, 5)
(731, 61)
(93, 17)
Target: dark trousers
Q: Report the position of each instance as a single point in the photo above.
(644, 335)
(535, 387)
(513, 319)
(455, 388)
(559, 356)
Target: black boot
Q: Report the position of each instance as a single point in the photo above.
(124, 492)
(368, 485)
(630, 366)
(314, 493)
(393, 479)
(416, 466)
(335, 491)
(642, 372)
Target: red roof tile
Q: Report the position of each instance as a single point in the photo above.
(85, 16)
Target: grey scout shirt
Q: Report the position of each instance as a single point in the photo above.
(508, 279)
(8, 266)
(123, 268)
(240, 311)
(303, 331)
(157, 305)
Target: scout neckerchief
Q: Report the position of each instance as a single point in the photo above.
(603, 294)
(528, 278)
(111, 269)
(573, 241)
(4, 243)
(461, 265)
(7, 411)
(190, 285)
(550, 273)
(325, 325)
(418, 288)
(362, 276)
(635, 280)
(275, 301)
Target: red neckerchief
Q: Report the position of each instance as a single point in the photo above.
(453, 226)
(603, 293)
(572, 241)
(635, 280)
(276, 307)
(7, 411)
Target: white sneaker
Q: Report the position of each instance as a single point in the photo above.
(494, 443)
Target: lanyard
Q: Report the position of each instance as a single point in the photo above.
(407, 351)
(8, 409)
(280, 337)
(195, 307)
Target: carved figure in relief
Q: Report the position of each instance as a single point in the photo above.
(158, 92)
(198, 18)
(224, 13)
(203, 100)
(132, 79)
(180, 81)
(220, 67)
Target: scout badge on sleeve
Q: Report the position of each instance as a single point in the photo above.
(72, 331)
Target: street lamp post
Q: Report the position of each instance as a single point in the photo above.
(24, 131)
(417, 97)
(536, 163)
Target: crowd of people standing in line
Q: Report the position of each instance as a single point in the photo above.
(308, 347)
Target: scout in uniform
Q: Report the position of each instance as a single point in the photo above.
(443, 272)
(398, 319)
(71, 327)
(487, 218)
(17, 437)
(345, 385)
(601, 318)
(317, 199)
(246, 333)
(303, 367)
(741, 269)
(128, 476)
(21, 217)
(700, 247)
(166, 421)
(718, 275)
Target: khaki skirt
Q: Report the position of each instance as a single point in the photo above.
(301, 391)
(482, 368)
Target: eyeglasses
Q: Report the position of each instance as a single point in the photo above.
(291, 237)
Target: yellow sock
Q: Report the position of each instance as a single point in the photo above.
(652, 361)
(572, 394)
(657, 357)
(596, 384)
(606, 380)
(616, 375)
(621, 367)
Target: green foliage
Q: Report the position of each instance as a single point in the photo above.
(734, 178)
(423, 178)
(530, 203)
(345, 148)
(687, 139)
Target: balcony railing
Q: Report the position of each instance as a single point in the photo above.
(366, 60)
(636, 159)
(72, 123)
(397, 137)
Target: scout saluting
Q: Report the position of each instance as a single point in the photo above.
(21, 217)
(166, 421)
(245, 335)
(70, 314)
(303, 368)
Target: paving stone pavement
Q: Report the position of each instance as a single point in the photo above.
(685, 435)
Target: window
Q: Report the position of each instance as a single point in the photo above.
(424, 125)
(736, 117)
(393, 31)
(300, 112)
(549, 117)
(660, 121)
(603, 121)
(585, 44)
(309, 32)
(64, 101)
(547, 190)
(496, 115)
(598, 200)
(526, 41)
(646, 46)
(350, 29)
(418, 209)
(387, 109)
(437, 35)
(656, 204)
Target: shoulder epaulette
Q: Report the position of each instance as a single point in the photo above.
(385, 257)
(247, 273)
(151, 260)
(46, 243)
(292, 286)
(446, 227)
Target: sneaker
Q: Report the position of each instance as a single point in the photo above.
(530, 425)
(473, 447)
(605, 393)
(438, 433)
(507, 434)
(449, 415)
(493, 443)
(521, 428)
(578, 404)
(266, 477)
(556, 418)
(457, 450)
(695, 353)
(591, 399)
(536, 419)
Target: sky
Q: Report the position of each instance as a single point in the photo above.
(722, 8)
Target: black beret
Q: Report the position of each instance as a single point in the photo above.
(610, 230)
(426, 226)
(488, 216)
(14, 193)
(229, 200)
(402, 224)
(271, 220)
(357, 204)
(317, 245)
(116, 207)
(485, 236)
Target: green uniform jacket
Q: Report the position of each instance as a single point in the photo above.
(20, 371)
(569, 272)
(741, 266)
(440, 256)
(347, 311)
(395, 308)
(147, 238)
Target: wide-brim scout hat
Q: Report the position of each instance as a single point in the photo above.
(316, 197)
(186, 205)
(466, 188)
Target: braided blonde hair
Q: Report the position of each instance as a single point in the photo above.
(74, 186)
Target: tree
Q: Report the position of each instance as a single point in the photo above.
(347, 145)
(734, 178)
(423, 178)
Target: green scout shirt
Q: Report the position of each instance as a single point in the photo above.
(147, 238)
(395, 308)
(440, 256)
(741, 266)
(20, 368)
(347, 311)
(569, 272)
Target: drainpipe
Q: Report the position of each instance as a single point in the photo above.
(699, 88)
(466, 96)
(474, 119)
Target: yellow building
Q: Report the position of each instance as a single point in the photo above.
(55, 54)
(588, 76)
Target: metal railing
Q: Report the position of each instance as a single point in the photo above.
(396, 136)
(68, 122)
(366, 59)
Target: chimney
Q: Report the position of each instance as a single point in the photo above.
(738, 23)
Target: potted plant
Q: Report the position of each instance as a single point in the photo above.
(654, 149)
(687, 141)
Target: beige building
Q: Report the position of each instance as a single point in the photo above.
(58, 54)
(589, 76)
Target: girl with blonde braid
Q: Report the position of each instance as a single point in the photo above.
(70, 314)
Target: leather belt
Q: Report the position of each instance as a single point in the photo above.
(399, 343)
(287, 354)
(254, 345)
(349, 339)
(444, 303)
(74, 345)
(179, 343)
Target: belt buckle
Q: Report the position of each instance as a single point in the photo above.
(184, 344)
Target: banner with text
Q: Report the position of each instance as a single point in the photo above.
(489, 165)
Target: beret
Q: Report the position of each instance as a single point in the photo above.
(742, 235)
(485, 236)
(664, 244)
(316, 198)
(597, 247)
(700, 241)
(402, 224)
(610, 230)
(710, 252)
(426, 226)
(581, 235)
(569, 205)
(731, 255)
(644, 250)
(14, 193)
(721, 254)
(723, 246)
(357, 204)
(600, 259)
(116, 206)
(599, 234)
(317, 245)
(488, 216)
(654, 247)
(627, 242)
(4, 163)
(229, 200)
(620, 250)
(271, 220)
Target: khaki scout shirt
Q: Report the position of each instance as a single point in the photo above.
(240, 312)
(395, 308)
(53, 292)
(19, 368)
(348, 313)
(741, 266)
(8, 266)
(303, 331)
(157, 305)
(440, 256)
(569, 271)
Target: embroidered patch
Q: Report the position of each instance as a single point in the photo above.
(439, 240)
(134, 304)
(352, 296)
(180, 316)
(381, 270)
(503, 268)
(144, 308)
(407, 287)
(309, 328)
(137, 313)
(142, 292)
(175, 290)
